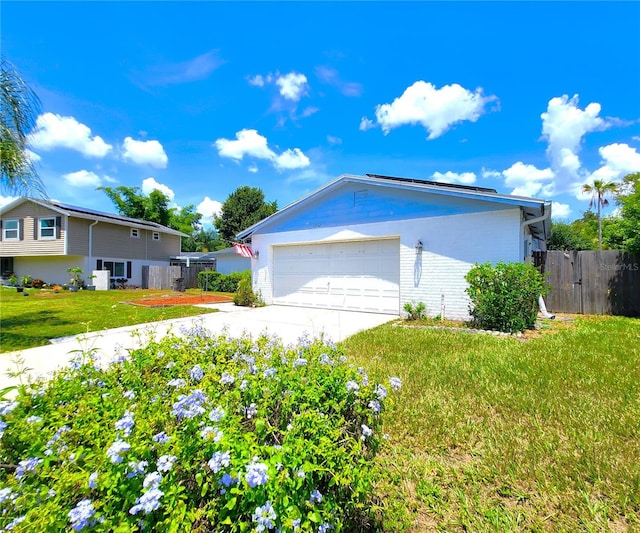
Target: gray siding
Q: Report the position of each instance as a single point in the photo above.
(29, 245)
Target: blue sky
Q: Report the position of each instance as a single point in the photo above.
(199, 98)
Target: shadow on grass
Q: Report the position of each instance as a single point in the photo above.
(29, 330)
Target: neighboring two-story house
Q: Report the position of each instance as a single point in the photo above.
(42, 239)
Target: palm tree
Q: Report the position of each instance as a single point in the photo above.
(599, 191)
(19, 107)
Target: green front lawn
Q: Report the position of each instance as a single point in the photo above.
(501, 434)
(28, 321)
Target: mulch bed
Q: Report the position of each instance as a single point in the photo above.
(183, 299)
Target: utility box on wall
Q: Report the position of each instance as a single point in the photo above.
(101, 280)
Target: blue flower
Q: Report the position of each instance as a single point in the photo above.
(177, 382)
(316, 497)
(270, 372)
(396, 383)
(227, 480)
(324, 527)
(226, 378)
(196, 373)
(296, 524)
(126, 423)
(374, 405)
(93, 480)
(81, 515)
(148, 502)
(256, 473)
(3, 426)
(352, 386)
(116, 449)
(6, 494)
(381, 392)
(137, 468)
(189, 406)
(129, 395)
(152, 480)
(28, 465)
(161, 438)
(15, 522)
(300, 361)
(216, 414)
(250, 411)
(218, 461)
(34, 419)
(264, 517)
(366, 431)
(165, 462)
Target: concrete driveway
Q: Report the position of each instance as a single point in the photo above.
(288, 323)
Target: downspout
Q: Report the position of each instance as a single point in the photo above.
(91, 244)
(541, 305)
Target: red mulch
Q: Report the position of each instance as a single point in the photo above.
(184, 299)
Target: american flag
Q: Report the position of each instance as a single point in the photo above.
(243, 250)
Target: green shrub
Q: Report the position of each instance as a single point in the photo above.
(504, 297)
(415, 312)
(211, 280)
(245, 296)
(207, 279)
(195, 433)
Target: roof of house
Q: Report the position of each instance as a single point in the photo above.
(532, 207)
(90, 214)
(207, 256)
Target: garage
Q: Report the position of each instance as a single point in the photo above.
(350, 275)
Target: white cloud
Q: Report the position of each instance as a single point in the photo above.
(149, 184)
(253, 169)
(466, 178)
(257, 81)
(145, 153)
(334, 140)
(618, 160)
(4, 200)
(564, 125)
(560, 211)
(32, 156)
(252, 144)
(488, 173)
(435, 109)
(54, 131)
(366, 124)
(209, 208)
(527, 180)
(247, 142)
(290, 159)
(331, 77)
(197, 68)
(293, 85)
(82, 178)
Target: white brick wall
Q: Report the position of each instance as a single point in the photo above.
(451, 244)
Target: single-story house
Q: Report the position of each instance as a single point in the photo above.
(373, 243)
(42, 239)
(225, 261)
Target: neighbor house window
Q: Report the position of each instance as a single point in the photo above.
(47, 228)
(115, 267)
(10, 231)
(134, 233)
(156, 236)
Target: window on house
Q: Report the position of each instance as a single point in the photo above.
(135, 234)
(11, 230)
(156, 236)
(115, 267)
(47, 228)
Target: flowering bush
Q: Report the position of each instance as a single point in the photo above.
(194, 433)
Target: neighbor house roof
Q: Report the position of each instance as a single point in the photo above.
(532, 207)
(81, 212)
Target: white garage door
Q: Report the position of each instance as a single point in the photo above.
(355, 275)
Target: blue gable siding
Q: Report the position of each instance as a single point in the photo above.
(355, 203)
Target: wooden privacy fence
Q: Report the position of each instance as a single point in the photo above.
(164, 277)
(597, 283)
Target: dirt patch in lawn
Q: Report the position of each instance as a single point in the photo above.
(181, 299)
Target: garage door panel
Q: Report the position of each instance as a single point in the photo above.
(362, 275)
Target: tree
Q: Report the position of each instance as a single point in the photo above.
(154, 207)
(567, 237)
(203, 240)
(599, 191)
(628, 200)
(19, 108)
(243, 208)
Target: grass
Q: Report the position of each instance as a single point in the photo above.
(500, 434)
(26, 322)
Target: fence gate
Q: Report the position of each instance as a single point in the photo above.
(588, 282)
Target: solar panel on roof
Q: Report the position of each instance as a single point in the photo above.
(436, 183)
